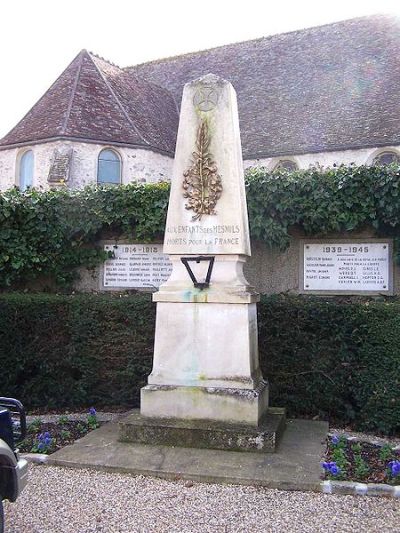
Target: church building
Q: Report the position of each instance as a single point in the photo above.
(324, 96)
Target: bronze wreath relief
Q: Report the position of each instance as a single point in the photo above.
(202, 184)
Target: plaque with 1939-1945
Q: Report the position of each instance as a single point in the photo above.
(347, 266)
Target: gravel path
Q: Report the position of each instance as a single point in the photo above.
(59, 500)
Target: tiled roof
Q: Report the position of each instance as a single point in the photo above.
(95, 100)
(333, 87)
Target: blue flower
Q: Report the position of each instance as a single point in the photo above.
(335, 470)
(394, 468)
(331, 468)
(92, 411)
(335, 439)
(40, 446)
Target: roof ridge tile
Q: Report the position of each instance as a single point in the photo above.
(257, 39)
(73, 91)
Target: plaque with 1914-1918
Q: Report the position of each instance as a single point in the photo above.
(136, 266)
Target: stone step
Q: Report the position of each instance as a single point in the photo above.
(263, 438)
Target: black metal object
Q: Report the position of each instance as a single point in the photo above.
(18, 417)
(199, 284)
(6, 428)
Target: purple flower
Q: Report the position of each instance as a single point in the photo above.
(335, 439)
(394, 468)
(334, 470)
(92, 411)
(44, 440)
(331, 468)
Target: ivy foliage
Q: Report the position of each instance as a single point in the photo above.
(52, 233)
(322, 201)
(49, 234)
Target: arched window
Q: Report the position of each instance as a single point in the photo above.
(286, 164)
(109, 167)
(387, 158)
(26, 171)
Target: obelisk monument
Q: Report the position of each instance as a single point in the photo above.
(206, 365)
(206, 357)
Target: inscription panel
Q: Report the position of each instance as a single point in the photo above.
(136, 266)
(344, 266)
(199, 235)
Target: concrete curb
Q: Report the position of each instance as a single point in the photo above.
(35, 458)
(354, 488)
(374, 441)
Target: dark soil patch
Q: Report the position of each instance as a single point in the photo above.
(48, 437)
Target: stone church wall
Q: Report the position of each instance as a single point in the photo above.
(363, 156)
(144, 165)
(137, 164)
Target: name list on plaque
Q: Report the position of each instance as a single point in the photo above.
(136, 266)
(355, 266)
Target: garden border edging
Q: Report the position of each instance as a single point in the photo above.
(355, 488)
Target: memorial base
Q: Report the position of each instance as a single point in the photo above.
(240, 406)
(261, 438)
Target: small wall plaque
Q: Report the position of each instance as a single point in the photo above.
(136, 266)
(346, 267)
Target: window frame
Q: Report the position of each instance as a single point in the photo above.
(277, 164)
(20, 157)
(119, 158)
(381, 153)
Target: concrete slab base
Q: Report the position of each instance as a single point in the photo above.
(295, 465)
(210, 434)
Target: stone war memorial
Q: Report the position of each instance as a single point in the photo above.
(206, 389)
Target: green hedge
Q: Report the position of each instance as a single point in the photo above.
(333, 358)
(61, 351)
(327, 358)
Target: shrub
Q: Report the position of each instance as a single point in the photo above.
(333, 358)
(50, 234)
(323, 357)
(60, 351)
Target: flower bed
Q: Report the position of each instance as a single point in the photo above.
(361, 461)
(48, 437)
